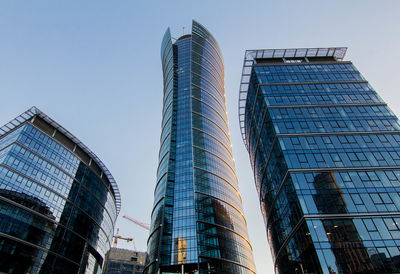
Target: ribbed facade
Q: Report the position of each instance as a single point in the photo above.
(197, 220)
(58, 202)
(325, 151)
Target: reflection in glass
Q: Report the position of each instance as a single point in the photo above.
(57, 206)
(325, 151)
(197, 220)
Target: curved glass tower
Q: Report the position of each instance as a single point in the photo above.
(197, 221)
(58, 201)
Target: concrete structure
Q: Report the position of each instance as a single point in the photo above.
(124, 261)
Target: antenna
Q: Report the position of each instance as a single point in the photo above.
(184, 30)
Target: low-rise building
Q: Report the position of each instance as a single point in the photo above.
(124, 261)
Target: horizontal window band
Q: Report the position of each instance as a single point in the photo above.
(6, 200)
(216, 111)
(149, 264)
(162, 159)
(166, 107)
(326, 216)
(162, 175)
(225, 202)
(62, 171)
(252, 117)
(314, 83)
(166, 50)
(219, 62)
(152, 232)
(212, 43)
(300, 64)
(220, 158)
(275, 198)
(162, 144)
(165, 124)
(227, 228)
(167, 73)
(338, 133)
(36, 246)
(351, 215)
(222, 105)
(288, 238)
(220, 92)
(62, 197)
(222, 178)
(80, 159)
(326, 105)
(212, 121)
(215, 138)
(219, 81)
(317, 170)
(211, 91)
(339, 169)
(228, 261)
(217, 70)
(167, 92)
(159, 180)
(168, 46)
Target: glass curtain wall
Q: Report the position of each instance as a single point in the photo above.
(58, 202)
(325, 150)
(197, 222)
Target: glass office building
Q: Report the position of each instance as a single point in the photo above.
(58, 202)
(325, 151)
(197, 223)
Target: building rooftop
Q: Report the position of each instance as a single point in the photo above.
(251, 57)
(184, 36)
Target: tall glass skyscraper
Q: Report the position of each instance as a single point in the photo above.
(325, 151)
(58, 201)
(197, 223)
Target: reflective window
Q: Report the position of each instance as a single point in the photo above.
(324, 146)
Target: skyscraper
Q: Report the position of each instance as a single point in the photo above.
(325, 151)
(197, 223)
(58, 201)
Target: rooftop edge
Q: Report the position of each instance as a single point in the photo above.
(250, 59)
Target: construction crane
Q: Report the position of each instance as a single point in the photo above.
(145, 226)
(117, 236)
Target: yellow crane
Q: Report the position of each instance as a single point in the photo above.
(117, 236)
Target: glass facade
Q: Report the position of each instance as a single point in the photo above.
(58, 202)
(197, 220)
(325, 151)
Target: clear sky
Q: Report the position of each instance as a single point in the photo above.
(94, 67)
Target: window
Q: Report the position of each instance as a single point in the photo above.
(127, 267)
(114, 265)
